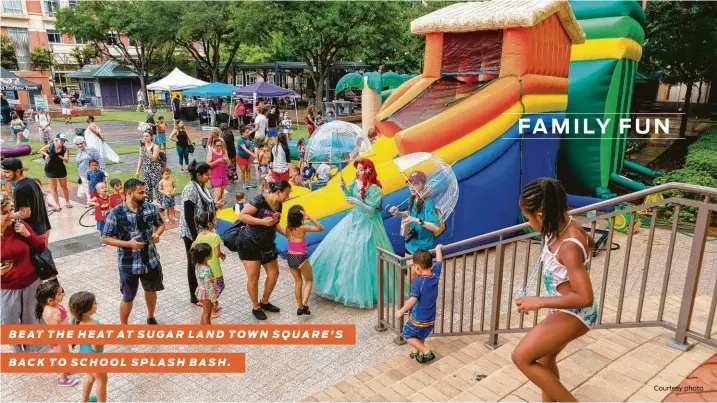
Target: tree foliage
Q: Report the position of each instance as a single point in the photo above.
(681, 42)
(7, 49)
(148, 24)
(84, 54)
(41, 58)
(322, 35)
(219, 29)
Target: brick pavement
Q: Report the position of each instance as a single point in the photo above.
(699, 386)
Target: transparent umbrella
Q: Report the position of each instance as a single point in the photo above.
(336, 143)
(431, 177)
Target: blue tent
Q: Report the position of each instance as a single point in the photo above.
(211, 90)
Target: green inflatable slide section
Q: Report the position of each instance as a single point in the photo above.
(600, 91)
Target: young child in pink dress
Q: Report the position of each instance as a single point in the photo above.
(49, 308)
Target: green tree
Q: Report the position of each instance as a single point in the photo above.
(7, 49)
(219, 29)
(681, 42)
(149, 25)
(84, 54)
(41, 58)
(323, 33)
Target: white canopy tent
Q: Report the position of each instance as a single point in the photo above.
(176, 81)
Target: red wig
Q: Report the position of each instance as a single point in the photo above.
(369, 177)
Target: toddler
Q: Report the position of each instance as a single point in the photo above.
(298, 255)
(95, 175)
(323, 175)
(102, 206)
(116, 198)
(208, 221)
(286, 123)
(49, 308)
(301, 149)
(167, 186)
(330, 117)
(296, 177)
(82, 306)
(308, 173)
(206, 290)
(319, 119)
(239, 206)
(422, 303)
(161, 137)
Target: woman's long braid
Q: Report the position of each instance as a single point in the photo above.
(419, 204)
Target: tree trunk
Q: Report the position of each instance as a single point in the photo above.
(319, 90)
(686, 109)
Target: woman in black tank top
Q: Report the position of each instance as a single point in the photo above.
(181, 136)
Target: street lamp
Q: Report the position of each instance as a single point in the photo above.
(52, 65)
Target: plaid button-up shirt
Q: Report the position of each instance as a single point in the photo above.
(123, 224)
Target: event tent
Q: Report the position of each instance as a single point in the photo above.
(265, 90)
(211, 90)
(11, 82)
(176, 81)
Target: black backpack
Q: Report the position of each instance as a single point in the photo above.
(231, 235)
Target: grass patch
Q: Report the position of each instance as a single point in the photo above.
(127, 116)
(181, 179)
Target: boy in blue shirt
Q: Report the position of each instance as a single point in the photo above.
(422, 303)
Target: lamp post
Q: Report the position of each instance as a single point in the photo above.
(50, 48)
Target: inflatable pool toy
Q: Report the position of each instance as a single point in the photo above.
(15, 151)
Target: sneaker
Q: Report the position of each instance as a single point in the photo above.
(268, 307)
(300, 311)
(423, 358)
(245, 186)
(152, 321)
(306, 310)
(252, 186)
(412, 355)
(259, 314)
(68, 382)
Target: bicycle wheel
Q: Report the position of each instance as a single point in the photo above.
(87, 220)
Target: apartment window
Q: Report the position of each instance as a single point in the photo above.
(12, 6)
(79, 41)
(54, 36)
(87, 88)
(51, 7)
(113, 38)
(72, 3)
(21, 43)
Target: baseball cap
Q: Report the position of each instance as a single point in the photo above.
(417, 176)
(78, 140)
(61, 136)
(11, 164)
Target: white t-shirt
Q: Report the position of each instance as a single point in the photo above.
(263, 122)
(280, 164)
(324, 172)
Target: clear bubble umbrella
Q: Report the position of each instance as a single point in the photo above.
(337, 143)
(440, 183)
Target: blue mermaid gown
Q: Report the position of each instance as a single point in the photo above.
(344, 264)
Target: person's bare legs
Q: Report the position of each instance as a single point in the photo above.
(207, 308)
(87, 387)
(308, 280)
(272, 275)
(150, 297)
(550, 362)
(548, 338)
(252, 268)
(417, 345)
(297, 287)
(125, 310)
(65, 192)
(55, 195)
(101, 390)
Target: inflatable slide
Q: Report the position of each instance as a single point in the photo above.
(602, 73)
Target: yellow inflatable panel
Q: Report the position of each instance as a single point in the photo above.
(609, 48)
(331, 200)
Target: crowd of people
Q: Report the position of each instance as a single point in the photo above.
(342, 267)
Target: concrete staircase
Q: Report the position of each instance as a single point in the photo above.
(604, 365)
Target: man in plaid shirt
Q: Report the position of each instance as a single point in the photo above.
(134, 227)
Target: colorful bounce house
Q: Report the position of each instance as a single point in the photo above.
(487, 65)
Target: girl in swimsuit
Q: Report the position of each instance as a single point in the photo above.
(298, 257)
(568, 291)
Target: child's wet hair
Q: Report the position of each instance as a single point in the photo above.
(295, 217)
(81, 303)
(114, 182)
(46, 291)
(165, 169)
(546, 195)
(240, 196)
(423, 258)
(200, 252)
(206, 218)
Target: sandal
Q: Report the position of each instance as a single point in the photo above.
(68, 205)
(56, 209)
